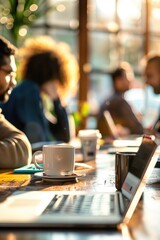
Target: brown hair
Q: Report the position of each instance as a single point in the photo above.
(42, 59)
(155, 59)
(6, 49)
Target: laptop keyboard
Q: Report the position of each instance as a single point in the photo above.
(93, 204)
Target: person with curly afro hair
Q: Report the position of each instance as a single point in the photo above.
(49, 74)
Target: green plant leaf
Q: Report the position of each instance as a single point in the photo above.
(19, 11)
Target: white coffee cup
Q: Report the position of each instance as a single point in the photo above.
(57, 159)
(89, 143)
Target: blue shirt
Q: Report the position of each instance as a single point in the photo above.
(24, 109)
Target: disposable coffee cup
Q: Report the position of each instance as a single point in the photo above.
(58, 160)
(123, 161)
(90, 143)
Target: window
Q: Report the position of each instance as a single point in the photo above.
(101, 33)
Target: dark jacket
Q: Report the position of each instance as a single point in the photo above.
(24, 110)
(121, 113)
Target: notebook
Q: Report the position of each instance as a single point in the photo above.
(31, 168)
(76, 209)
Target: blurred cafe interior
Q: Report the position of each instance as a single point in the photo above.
(101, 33)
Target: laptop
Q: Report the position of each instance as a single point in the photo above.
(49, 209)
(131, 140)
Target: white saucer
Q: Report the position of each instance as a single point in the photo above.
(72, 177)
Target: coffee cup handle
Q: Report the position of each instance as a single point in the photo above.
(34, 159)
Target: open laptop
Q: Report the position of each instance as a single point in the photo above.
(110, 124)
(82, 209)
(132, 140)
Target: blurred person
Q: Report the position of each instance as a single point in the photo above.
(15, 149)
(152, 74)
(121, 114)
(48, 71)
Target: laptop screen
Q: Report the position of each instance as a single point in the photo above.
(138, 168)
(143, 156)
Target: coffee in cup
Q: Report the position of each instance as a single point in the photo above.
(57, 159)
(123, 161)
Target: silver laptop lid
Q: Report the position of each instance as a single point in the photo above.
(111, 125)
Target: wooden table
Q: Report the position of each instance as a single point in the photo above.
(145, 222)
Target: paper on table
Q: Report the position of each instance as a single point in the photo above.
(82, 165)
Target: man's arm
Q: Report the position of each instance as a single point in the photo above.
(15, 149)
